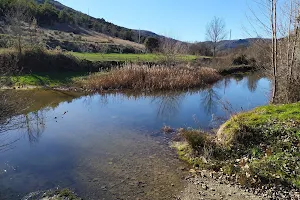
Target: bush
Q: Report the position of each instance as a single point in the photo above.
(195, 138)
(152, 44)
(240, 60)
(152, 78)
(128, 50)
(202, 143)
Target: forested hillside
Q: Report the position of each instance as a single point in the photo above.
(49, 12)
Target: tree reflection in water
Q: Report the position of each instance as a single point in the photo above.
(252, 81)
(30, 125)
(168, 104)
(210, 99)
(34, 126)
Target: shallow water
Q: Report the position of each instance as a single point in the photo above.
(109, 146)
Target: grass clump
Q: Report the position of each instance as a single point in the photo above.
(198, 149)
(259, 146)
(67, 194)
(151, 78)
(241, 127)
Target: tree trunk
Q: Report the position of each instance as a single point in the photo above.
(19, 45)
(274, 46)
(214, 51)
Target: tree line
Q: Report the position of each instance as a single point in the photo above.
(46, 14)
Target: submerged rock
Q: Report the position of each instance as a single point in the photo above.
(63, 194)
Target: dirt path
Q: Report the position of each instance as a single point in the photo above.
(203, 186)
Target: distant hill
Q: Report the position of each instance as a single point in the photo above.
(102, 26)
(232, 44)
(75, 31)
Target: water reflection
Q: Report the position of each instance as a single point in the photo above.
(210, 99)
(34, 125)
(30, 126)
(253, 80)
(168, 105)
(106, 140)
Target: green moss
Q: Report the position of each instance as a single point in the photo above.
(43, 79)
(63, 194)
(66, 193)
(184, 151)
(228, 133)
(270, 134)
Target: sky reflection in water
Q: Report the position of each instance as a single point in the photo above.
(108, 140)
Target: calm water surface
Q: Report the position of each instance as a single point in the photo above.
(110, 146)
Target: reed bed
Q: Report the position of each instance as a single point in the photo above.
(151, 78)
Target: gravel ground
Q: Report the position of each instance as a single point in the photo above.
(211, 185)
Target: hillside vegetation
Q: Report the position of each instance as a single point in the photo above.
(48, 13)
(62, 27)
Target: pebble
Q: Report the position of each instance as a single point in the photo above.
(205, 187)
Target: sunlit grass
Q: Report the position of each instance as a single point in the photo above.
(128, 57)
(43, 79)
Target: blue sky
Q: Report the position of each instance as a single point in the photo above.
(181, 19)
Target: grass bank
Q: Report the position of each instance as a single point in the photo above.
(129, 57)
(50, 79)
(40, 67)
(151, 78)
(256, 147)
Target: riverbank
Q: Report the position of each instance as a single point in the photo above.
(37, 67)
(257, 151)
(137, 159)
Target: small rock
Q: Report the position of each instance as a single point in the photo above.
(95, 180)
(205, 187)
(104, 188)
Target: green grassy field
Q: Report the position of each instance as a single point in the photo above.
(127, 57)
(44, 79)
(6, 50)
(119, 57)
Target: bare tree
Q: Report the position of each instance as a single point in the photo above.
(15, 18)
(171, 50)
(273, 18)
(33, 28)
(216, 32)
(281, 23)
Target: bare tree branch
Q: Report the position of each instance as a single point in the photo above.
(216, 32)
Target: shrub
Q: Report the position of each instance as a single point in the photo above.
(152, 78)
(152, 44)
(201, 142)
(240, 60)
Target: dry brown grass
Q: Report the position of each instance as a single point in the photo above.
(151, 78)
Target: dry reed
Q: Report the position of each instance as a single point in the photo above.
(151, 78)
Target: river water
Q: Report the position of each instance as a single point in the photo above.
(109, 146)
